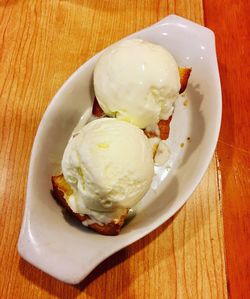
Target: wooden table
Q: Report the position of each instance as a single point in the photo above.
(190, 256)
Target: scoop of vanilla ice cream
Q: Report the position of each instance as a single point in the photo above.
(137, 81)
(108, 165)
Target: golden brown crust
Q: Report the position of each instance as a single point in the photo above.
(97, 110)
(184, 76)
(164, 128)
(61, 191)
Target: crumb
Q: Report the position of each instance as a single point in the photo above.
(168, 167)
(150, 134)
(74, 135)
(182, 144)
(185, 103)
(188, 139)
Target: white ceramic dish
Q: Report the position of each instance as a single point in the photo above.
(59, 246)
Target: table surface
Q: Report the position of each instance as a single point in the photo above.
(201, 252)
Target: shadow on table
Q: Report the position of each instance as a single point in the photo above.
(63, 290)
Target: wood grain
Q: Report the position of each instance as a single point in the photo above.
(42, 43)
(233, 44)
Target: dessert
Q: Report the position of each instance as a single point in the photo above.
(107, 168)
(62, 191)
(137, 81)
(108, 164)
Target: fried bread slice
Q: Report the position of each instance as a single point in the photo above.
(61, 191)
(184, 76)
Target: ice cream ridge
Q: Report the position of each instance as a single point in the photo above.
(108, 166)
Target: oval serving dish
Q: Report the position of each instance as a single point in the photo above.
(52, 241)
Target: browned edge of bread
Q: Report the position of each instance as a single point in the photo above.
(61, 191)
(184, 76)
